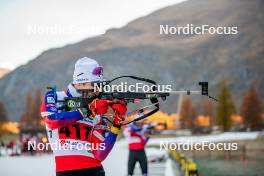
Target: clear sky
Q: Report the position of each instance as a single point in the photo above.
(29, 27)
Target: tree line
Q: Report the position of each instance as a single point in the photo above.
(251, 109)
(31, 114)
(220, 113)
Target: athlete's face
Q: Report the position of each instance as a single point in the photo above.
(86, 86)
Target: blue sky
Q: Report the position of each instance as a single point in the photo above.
(28, 27)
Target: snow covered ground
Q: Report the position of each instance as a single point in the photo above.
(44, 165)
(227, 136)
(115, 164)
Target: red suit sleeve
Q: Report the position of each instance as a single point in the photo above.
(54, 118)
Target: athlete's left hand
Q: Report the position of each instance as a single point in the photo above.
(120, 107)
(120, 110)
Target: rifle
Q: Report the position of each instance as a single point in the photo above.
(70, 103)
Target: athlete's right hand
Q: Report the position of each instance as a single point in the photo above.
(98, 107)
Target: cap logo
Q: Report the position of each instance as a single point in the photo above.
(80, 74)
(97, 71)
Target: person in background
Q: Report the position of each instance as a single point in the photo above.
(137, 136)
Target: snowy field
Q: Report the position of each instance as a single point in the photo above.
(227, 136)
(44, 165)
(115, 164)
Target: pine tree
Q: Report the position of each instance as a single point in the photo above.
(187, 113)
(36, 108)
(3, 118)
(209, 110)
(252, 108)
(26, 117)
(225, 107)
(3, 114)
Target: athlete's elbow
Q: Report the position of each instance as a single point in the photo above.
(101, 154)
(51, 124)
(100, 157)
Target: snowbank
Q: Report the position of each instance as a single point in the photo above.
(227, 136)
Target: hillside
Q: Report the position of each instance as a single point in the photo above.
(139, 49)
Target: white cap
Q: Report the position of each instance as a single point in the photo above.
(87, 70)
